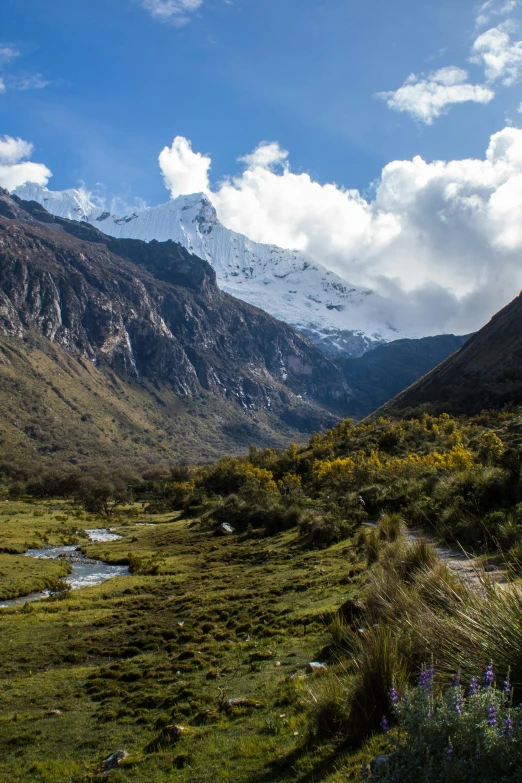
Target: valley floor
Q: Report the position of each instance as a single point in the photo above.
(201, 620)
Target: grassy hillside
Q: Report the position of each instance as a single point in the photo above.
(59, 408)
(485, 373)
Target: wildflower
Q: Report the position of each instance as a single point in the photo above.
(426, 680)
(455, 680)
(489, 676)
(508, 726)
(506, 688)
(365, 772)
(473, 686)
(385, 726)
(458, 702)
(450, 753)
(394, 696)
(492, 715)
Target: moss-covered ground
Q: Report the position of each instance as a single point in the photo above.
(200, 621)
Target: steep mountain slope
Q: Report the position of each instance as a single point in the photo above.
(151, 315)
(59, 407)
(386, 370)
(485, 373)
(339, 318)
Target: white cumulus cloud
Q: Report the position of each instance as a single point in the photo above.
(500, 56)
(426, 96)
(184, 171)
(266, 155)
(495, 8)
(440, 240)
(176, 11)
(15, 169)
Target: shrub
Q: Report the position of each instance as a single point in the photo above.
(391, 526)
(466, 734)
(419, 555)
(355, 705)
(325, 530)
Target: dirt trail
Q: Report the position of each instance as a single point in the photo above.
(464, 564)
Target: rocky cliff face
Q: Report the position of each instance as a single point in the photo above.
(342, 319)
(152, 311)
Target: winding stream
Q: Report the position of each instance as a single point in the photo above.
(85, 570)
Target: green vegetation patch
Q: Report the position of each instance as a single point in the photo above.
(210, 634)
(24, 575)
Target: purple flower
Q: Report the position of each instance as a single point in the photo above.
(508, 726)
(455, 680)
(385, 726)
(489, 676)
(492, 715)
(473, 686)
(365, 772)
(458, 702)
(507, 687)
(394, 696)
(426, 680)
(450, 753)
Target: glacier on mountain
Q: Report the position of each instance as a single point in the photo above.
(340, 318)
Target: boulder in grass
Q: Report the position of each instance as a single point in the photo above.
(112, 761)
(173, 732)
(224, 530)
(314, 667)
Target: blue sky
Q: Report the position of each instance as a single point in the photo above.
(123, 84)
(382, 137)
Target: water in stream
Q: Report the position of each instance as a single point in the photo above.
(85, 571)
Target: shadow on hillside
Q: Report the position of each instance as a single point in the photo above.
(284, 768)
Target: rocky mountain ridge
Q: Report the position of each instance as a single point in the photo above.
(387, 369)
(339, 317)
(153, 311)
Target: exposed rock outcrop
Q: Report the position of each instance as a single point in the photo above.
(152, 311)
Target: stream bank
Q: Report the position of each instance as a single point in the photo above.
(86, 571)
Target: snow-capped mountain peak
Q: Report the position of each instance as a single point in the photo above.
(339, 317)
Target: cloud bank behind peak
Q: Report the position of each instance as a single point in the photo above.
(441, 239)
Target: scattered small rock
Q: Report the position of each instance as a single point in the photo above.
(112, 761)
(53, 713)
(224, 530)
(173, 732)
(315, 666)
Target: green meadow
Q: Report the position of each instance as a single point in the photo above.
(200, 621)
